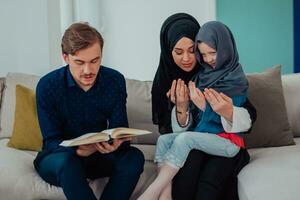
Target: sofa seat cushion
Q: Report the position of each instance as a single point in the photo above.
(19, 180)
(148, 150)
(273, 173)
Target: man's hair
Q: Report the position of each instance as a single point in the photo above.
(80, 36)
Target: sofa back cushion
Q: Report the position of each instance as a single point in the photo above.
(9, 99)
(291, 90)
(138, 105)
(139, 110)
(2, 86)
(272, 127)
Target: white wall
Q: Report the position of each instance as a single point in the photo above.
(24, 44)
(31, 31)
(131, 31)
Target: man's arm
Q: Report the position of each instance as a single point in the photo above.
(49, 119)
(118, 116)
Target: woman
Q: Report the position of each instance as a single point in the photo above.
(201, 177)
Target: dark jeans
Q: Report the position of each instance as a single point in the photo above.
(207, 177)
(70, 172)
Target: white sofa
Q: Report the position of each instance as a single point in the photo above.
(272, 174)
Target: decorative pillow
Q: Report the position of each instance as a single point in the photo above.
(26, 133)
(271, 127)
(9, 99)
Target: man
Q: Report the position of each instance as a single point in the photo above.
(76, 99)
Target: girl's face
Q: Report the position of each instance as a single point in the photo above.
(209, 54)
(183, 54)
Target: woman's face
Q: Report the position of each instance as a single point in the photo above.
(209, 54)
(183, 54)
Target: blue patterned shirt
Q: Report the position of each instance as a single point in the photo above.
(65, 111)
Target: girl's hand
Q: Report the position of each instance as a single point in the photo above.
(220, 103)
(197, 96)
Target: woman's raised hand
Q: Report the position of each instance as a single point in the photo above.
(179, 95)
(197, 96)
(220, 103)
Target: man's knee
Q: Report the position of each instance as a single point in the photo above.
(133, 161)
(53, 166)
(67, 161)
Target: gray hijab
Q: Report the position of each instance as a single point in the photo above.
(228, 76)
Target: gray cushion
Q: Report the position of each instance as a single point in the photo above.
(271, 127)
(291, 90)
(2, 80)
(22, 181)
(139, 110)
(272, 174)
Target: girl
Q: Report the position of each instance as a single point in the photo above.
(221, 71)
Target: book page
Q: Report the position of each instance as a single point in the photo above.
(109, 131)
(105, 135)
(88, 138)
(128, 132)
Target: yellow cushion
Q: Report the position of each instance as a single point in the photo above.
(26, 131)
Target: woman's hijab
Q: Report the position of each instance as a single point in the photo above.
(173, 29)
(228, 76)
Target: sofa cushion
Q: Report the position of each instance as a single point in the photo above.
(272, 174)
(9, 99)
(139, 110)
(291, 89)
(138, 105)
(2, 80)
(23, 182)
(271, 127)
(26, 131)
(2, 84)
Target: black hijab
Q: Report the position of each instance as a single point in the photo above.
(173, 29)
(228, 76)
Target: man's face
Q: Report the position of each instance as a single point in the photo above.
(85, 65)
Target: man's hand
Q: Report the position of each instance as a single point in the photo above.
(220, 103)
(86, 150)
(197, 96)
(105, 147)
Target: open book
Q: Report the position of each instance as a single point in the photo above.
(105, 135)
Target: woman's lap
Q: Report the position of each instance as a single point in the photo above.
(208, 177)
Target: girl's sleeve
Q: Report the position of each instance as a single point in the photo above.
(241, 121)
